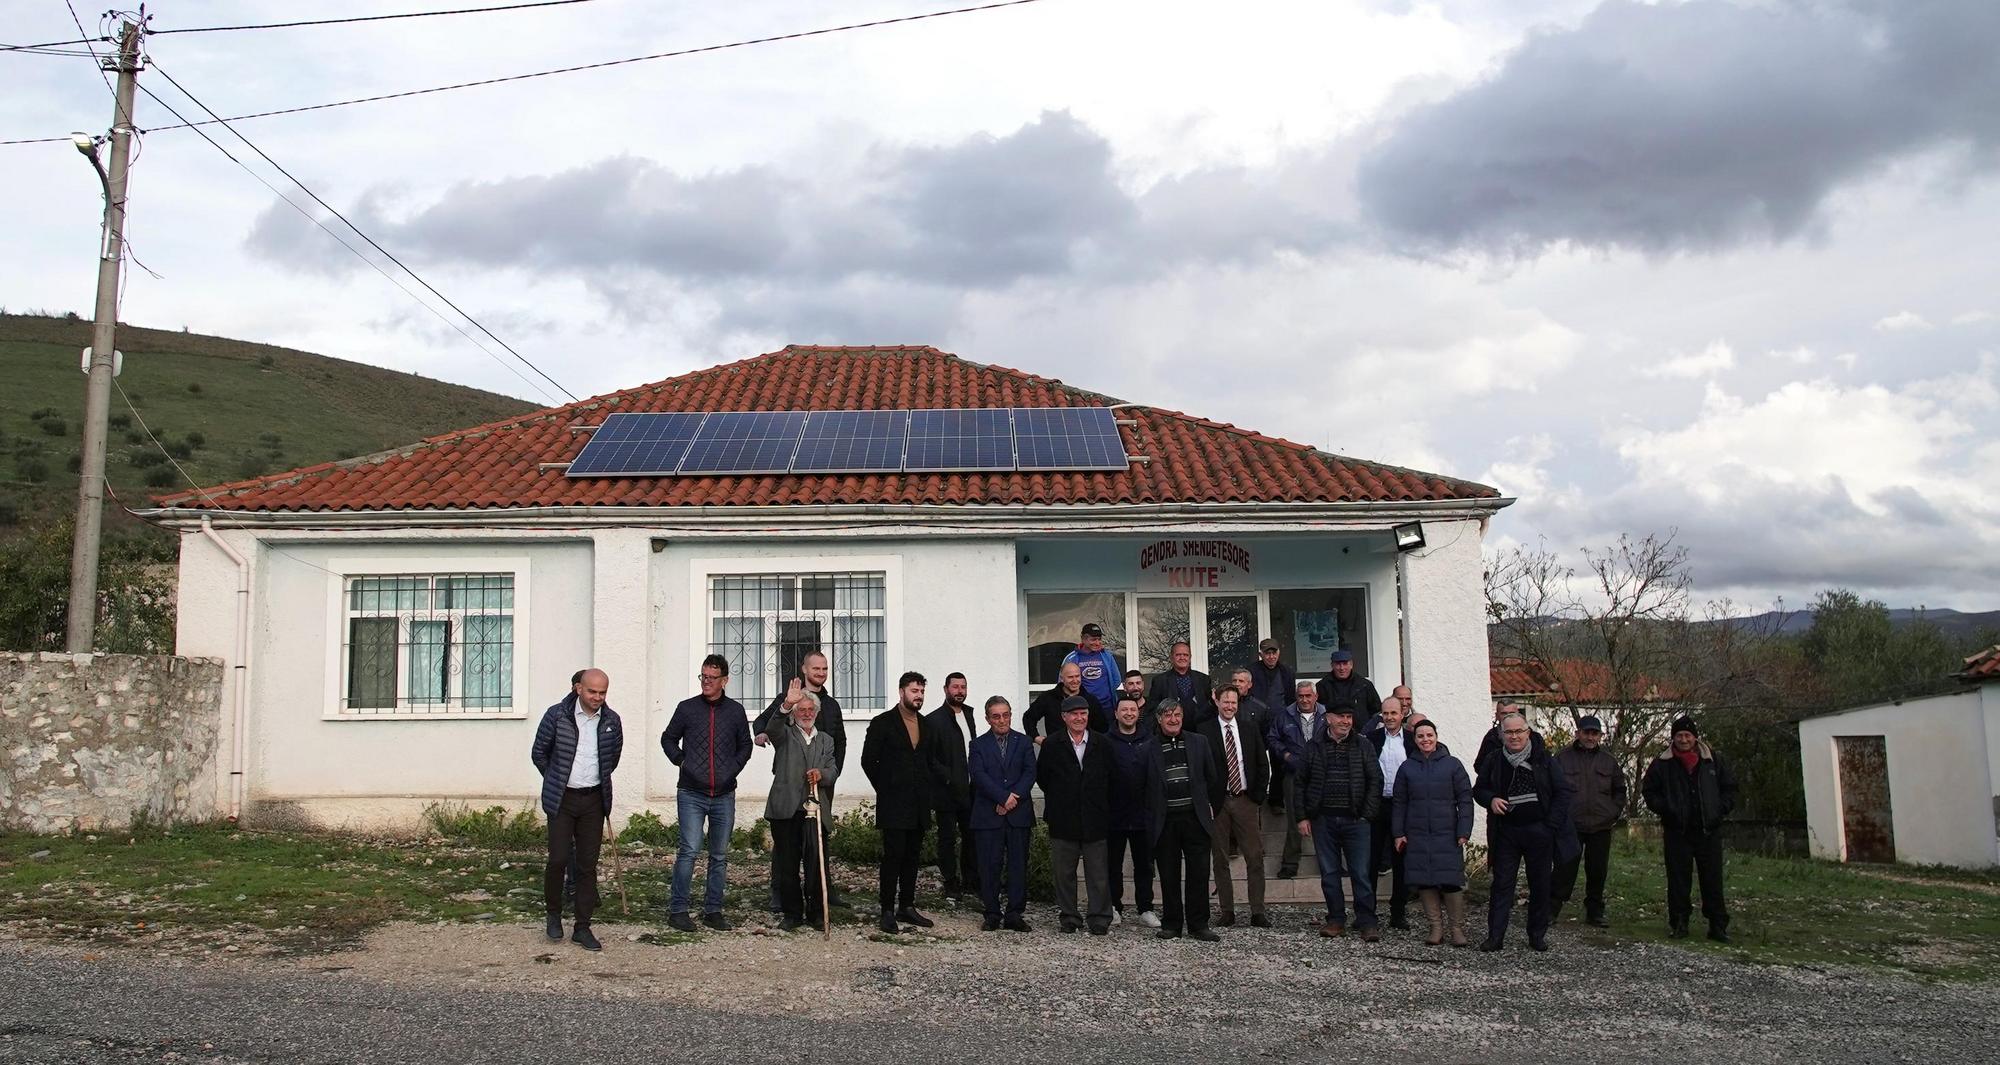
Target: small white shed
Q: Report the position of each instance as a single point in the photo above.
(1915, 781)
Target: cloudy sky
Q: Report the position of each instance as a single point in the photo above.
(1723, 266)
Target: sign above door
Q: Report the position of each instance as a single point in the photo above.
(1194, 566)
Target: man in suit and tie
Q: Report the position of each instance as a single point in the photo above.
(1244, 766)
(1001, 764)
(1182, 792)
(953, 723)
(1186, 686)
(1074, 770)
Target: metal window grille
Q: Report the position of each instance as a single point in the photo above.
(765, 625)
(428, 644)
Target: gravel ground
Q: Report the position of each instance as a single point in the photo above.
(474, 993)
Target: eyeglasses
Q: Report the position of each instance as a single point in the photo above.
(1515, 732)
(706, 677)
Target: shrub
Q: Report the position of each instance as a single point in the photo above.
(180, 449)
(134, 436)
(159, 477)
(55, 426)
(266, 360)
(646, 827)
(119, 421)
(194, 388)
(269, 438)
(33, 471)
(197, 438)
(42, 412)
(74, 462)
(249, 465)
(145, 457)
(10, 512)
(491, 827)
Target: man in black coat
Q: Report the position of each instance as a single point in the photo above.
(1243, 764)
(899, 755)
(1527, 799)
(1276, 685)
(1491, 741)
(1182, 792)
(1185, 685)
(1691, 789)
(1343, 686)
(952, 721)
(1044, 716)
(1074, 771)
(1600, 804)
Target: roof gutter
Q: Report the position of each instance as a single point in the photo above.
(1369, 515)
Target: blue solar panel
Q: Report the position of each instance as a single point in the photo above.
(745, 442)
(636, 445)
(1068, 438)
(947, 440)
(853, 441)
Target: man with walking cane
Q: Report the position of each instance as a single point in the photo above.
(803, 770)
(576, 750)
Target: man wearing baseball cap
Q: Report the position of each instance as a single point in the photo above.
(1344, 685)
(1098, 666)
(1691, 788)
(1597, 808)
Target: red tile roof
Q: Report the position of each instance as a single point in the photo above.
(1983, 666)
(1194, 460)
(1572, 681)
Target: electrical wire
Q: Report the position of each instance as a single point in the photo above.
(93, 49)
(378, 268)
(50, 44)
(374, 18)
(608, 63)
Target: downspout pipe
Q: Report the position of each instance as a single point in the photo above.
(239, 672)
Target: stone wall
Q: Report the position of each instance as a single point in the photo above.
(92, 741)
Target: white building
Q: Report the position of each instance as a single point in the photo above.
(1915, 781)
(406, 617)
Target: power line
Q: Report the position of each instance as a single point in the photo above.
(53, 44)
(432, 289)
(372, 18)
(93, 52)
(356, 252)
(600, 66)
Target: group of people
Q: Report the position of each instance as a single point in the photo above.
(1174, 771)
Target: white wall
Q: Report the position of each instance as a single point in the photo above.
(1445, 594)
(1941, 782)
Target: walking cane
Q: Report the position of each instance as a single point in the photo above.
(617, 869)
(819, 848)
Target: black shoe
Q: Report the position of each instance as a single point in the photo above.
(790, 923)
(582, 938)
(1677, 929)
(680, 922)
(1489, 945)
(1718, 933)
(715, 920)
(1286, 872)
(1596, 919)
(555, 927)
(1100, 928)
(1016, 924)
(1167, 933)
(1227, 920)
(888, 924)
(909, 915)
(1258, 920)
(1399, 924)
(1070, 925)
(1538, 943)
(1206, 935)
(834, 899)
(991, 924)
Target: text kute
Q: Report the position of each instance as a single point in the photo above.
(1194, 566)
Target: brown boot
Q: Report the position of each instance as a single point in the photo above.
(1454, 916)
(1433, 910)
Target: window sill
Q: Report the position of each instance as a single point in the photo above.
(432, 715)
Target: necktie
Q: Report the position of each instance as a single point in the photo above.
(1235, 762)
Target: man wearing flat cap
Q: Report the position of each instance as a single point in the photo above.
(1074, 770)
(1690, 788)
(1597, 807)
(1344, 685)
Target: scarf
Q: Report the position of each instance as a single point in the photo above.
(1520, 759)
(1688, 758)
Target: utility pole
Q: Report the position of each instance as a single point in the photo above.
(82, 619)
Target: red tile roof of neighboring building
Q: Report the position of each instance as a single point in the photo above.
(1983, 666)
(1193, 460)
(1572, 681)
(1513, 677)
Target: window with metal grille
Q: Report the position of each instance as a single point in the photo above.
(429, 644)
(765, 625)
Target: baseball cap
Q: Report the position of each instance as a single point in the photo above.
(1093, 629)
(1589, 724)
(1267, 645)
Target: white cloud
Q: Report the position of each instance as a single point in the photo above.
(1797, 356)
(1709, 361)
(1904, 322)
(1972, 318)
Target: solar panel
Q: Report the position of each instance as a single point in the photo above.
(951, 440)
(745, 442)
(636, 445)
(1068, 438)
(853, 441)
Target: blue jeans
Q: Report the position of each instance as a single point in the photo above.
(709, 818)
(1343, 842)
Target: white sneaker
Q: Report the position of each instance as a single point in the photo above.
(1117, 916)
(1149, 919)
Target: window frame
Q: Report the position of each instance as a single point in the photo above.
(702, 615)
(341, 572)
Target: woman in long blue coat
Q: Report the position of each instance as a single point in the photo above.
(1431, 820)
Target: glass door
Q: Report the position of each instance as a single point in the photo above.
(1163, 620)
(1229, 628)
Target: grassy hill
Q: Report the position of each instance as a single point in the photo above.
(229, 409)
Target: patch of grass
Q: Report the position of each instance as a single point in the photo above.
(1795, 911)
(491, 827)
(647, 828)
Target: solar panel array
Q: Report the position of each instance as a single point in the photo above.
(853, 441)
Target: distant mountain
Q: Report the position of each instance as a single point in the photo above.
(228, 409)
(1956, 625)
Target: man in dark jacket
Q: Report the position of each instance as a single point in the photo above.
(1523, 790)
(1074, 771)
(1334, 801)
(1243, 764)
(1290, 731)
(1185, 685)
(1182, 792)
(900, 757)
(1002, 764)
(1044, 716)
(1691, 790)
(1130, 826)
(1599, 783)
(576, 749)
(953, 723)
(1491, 741)
(1276, 685)
(1344, 686)
(814, 670)
(709, 738)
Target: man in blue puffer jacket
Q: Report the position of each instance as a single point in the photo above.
(576, 749)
